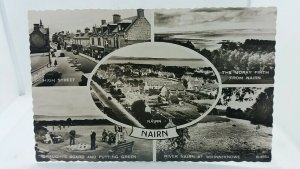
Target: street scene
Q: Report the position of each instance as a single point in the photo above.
(168, 89)
(239, 128)
(70, 70)
(64, 55)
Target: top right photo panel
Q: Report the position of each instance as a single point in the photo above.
(239, 42)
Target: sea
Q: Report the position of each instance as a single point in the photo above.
(192, 63)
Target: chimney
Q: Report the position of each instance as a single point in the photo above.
(140, 13)
(103, 22)
(36, 27)
(94, 29)
(86, 30)
(116, 18)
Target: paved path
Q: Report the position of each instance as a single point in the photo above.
(114, 104)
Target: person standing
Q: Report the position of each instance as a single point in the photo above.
(55, 62)
(93, 140)
(104, 135)
(72, 137)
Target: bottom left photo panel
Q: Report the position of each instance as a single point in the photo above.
(69, 127)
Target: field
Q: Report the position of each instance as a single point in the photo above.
(142, 149)
(224, 136)
(184, 114)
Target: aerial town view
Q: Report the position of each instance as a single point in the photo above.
(154, 92)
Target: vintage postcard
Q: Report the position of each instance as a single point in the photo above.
(153, 85)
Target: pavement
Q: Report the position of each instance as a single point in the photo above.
(72, 68)
(38, 60)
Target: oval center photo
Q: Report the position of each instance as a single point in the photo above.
(155, 85)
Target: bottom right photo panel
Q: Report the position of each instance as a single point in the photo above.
(239, 128)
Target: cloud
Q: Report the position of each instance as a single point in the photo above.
(210, 15)
(216, 9)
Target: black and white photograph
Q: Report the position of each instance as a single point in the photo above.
(155, 85)
(239, 128)
(65, 45)
(240, 42)
(97, 78)
(69, 127)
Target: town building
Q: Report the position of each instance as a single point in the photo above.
(118, 33)
(82, 40)
(39, 39)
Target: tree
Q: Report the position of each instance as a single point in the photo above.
(69, 122)
(119, 92)
(174, 99)
(262, 109)
(138, 108)
(201, 108)
(185, 83)
(55, 37)
(239, 93)
(206, 53)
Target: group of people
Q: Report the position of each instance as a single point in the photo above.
(53, 53)
(117, 137)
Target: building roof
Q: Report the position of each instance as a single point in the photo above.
(177, 86)
(125, 24)
(210, 86)
(82, 36)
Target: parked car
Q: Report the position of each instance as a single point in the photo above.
(62, 54)
(52, 77)
(75, 52)
(69, 48)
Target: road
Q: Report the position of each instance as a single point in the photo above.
(72, 68)
(119, 112)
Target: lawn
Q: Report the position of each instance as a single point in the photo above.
(182, 113)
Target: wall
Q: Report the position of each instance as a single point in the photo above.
(140, 30)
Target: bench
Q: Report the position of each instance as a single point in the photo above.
(123, 148)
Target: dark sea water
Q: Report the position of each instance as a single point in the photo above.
(211, 39)
(165, 62)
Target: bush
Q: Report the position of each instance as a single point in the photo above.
(174, 99)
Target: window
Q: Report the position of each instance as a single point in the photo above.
(92, 41)
(99, 42)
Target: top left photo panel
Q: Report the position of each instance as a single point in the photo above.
(66, 45)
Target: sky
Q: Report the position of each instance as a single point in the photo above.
(212, 25)
(157, 50)
(71, 20)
